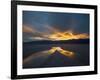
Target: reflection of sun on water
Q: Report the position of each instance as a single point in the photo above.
(62, 51)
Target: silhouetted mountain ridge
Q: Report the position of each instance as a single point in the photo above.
(74, 41)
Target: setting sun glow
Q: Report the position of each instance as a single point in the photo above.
(68, 36)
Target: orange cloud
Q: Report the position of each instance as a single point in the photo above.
(55, 34)
(68, 35)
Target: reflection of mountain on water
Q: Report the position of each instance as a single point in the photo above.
(74, 41)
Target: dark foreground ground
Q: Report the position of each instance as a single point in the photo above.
(37, 56)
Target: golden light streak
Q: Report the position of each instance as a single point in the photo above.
(62, 51)
(68, 35)
(52, 50)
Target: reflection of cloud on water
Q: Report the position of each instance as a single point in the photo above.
(46, 53)
(65, 52)
(36, 55)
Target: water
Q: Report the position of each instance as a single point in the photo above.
(39, 56)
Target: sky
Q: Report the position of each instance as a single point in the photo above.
(40, 25)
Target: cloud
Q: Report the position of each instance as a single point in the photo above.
(37, 38)
(30, 33)
(68, 35)
(51, 33)
(28, 29)
(51, 29)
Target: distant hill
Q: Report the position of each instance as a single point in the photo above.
(74, 41)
